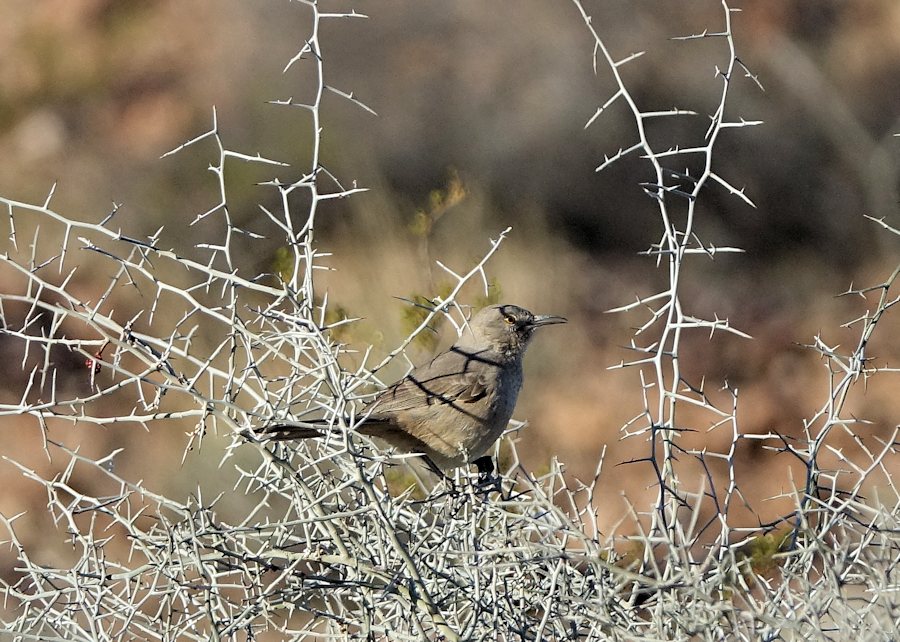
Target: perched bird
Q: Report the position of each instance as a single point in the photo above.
(453, 409)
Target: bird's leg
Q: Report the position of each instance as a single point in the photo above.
(485, 466)
(487, 480)
(441, 475)
(433, 467)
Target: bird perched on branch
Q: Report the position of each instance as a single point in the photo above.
(453, 409)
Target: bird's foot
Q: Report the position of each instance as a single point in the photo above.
(488, 481)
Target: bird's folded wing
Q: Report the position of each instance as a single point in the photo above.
(418, 392)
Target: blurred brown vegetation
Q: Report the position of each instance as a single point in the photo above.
(481, 120)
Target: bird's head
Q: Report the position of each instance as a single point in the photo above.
(506, 329)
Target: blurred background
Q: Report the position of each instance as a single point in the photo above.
(481, 113)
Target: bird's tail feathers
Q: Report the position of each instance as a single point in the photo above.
(296, 430)
(372, 427)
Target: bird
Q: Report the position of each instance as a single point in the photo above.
(452, 410)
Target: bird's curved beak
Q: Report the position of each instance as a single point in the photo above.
(546, 319)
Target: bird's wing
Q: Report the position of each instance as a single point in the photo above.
(437, 408)
(454, 377)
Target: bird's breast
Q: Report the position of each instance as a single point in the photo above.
(497, 414)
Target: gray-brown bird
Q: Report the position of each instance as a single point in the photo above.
(453, 409)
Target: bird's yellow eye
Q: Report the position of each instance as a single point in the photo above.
(510, 319)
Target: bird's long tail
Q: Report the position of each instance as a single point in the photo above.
(299, 430)
(372, 427)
